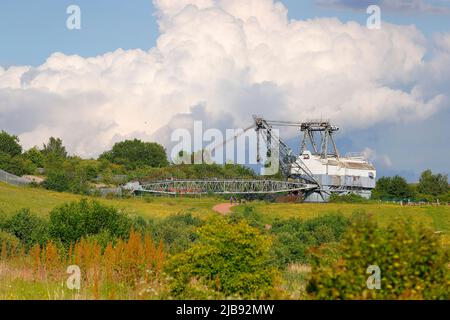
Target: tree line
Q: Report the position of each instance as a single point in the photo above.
(429, 188)
(125, 161)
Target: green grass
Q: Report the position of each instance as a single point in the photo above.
(19, 289)
(41, 202)
(15, 287)
(293, 279)
(435, 217)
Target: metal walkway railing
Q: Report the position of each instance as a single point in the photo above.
(192, 187)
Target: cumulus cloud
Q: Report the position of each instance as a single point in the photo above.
(373, 156)
(233, 59)
(403, 6)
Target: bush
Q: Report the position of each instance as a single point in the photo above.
(139, 224)
(197, 171)
(102, 238)
(249, 214)
(232, 259)
(444, 197)
(70, 175)
(3, 220)
(8, 244)
(35, 156)
(28, 227)
(57, 181)
(16, 165)
(413, 264)
(294, 236)
(347, 198)
(74, 220)
(177, 232)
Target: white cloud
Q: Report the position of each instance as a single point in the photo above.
(403, 6)
(373, 156)
(235, 59)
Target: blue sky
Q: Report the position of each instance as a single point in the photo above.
(31, 31)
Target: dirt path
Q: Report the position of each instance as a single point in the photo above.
(223, 208)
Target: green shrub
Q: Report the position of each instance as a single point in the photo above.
(232, 259)
(327, 228)
(413, 264)
(74, 220)
(347, 198)
(444, 197)
(35, 156)
(57, 181)
(69, 175)
(8, 241)
(249, 214)
(16, 165)
(139, 224)
(3, 220)
(28, 227)
(103, 238)
(198, 171)
(294, 236)
(177, 232)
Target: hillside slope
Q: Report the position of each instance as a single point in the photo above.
(41, 202)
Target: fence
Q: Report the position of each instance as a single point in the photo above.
(12, 179)
(105, 192)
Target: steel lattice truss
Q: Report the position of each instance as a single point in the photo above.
(195, 187)
(288, 160)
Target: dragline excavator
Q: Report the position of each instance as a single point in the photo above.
(321, 165)
(318, 171)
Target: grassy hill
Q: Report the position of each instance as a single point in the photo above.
(16, 282)
(434, 216)
(41, 202)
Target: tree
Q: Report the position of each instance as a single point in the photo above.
(72, 221)
(55, 147)
(28, 227)
(34, 155)
(20, 166)
(9, 144)
(136, 153)
(381, 188)
(432, 184)
(392, 187)
(399, 188)
(57, 180)
(228, 259)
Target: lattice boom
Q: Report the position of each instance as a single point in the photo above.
(192, 187)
